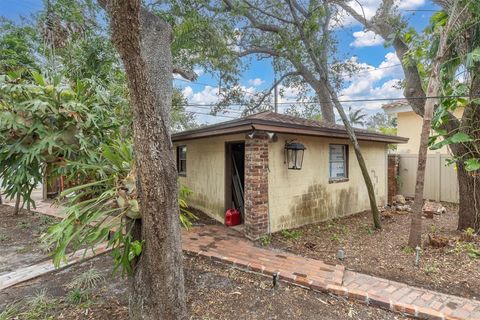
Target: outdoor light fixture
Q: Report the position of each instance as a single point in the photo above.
(294, 154)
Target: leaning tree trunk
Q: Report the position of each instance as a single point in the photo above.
(158, 282)
(433, 88)
(359, 155)
(326, 105)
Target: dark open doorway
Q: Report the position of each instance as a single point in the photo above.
(235, 176)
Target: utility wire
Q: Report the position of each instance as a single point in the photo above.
(341, 101)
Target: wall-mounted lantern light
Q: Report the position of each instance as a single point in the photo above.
(294, 154)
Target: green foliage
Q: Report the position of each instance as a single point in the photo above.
(87, 280)
(368, 230)
(408, 250)
(96, 209)
(78, 296)
(472, 251)
(4, 237)
(291, 234)
(16, 47)
(45, 120)
(431, 268)
(335, 238)
(265, 240)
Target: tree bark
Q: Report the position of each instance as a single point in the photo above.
(158, 281)
(469, 189)
(433, 89)
(326, 105)
(16, 210)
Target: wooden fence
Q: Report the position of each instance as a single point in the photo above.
(441, 182)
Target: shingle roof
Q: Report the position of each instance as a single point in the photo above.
(282, 123)
(395, 104)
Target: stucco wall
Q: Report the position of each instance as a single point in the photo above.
(206, 173)
(298, 197)
(409, 125)
(295, 197)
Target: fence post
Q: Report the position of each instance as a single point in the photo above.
(439, 176)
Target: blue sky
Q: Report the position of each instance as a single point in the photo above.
(367, 50)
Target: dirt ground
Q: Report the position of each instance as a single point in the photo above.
(213, 290)
(19, 238)
(454, 269)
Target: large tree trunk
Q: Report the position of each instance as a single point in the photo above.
(158, 282)
(326, 104)
(16, 210)
(469, 206)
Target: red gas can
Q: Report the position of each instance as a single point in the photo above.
(232, 217)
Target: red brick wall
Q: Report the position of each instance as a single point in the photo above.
(256, 185)
(392, 177)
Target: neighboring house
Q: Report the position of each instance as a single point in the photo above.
(409, 125)
(280, 171)
(440, 179)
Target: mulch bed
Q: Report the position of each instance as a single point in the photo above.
(383, 253)
(213, 290)
(19, 238)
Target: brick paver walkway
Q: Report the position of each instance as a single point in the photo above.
(228, 246)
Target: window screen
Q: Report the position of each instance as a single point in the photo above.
(338, 161)
(182, 160)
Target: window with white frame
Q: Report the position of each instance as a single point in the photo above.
(338, 161)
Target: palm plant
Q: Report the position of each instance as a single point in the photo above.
(356, 117)
(102, 209)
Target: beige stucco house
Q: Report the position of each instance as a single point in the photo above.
(279, 171)
(441, 182)
(409, 125)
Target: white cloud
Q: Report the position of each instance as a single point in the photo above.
(209, 95)
(410, 4)
(199, 71)
(374, 83)
(366, 39)
(255, 82)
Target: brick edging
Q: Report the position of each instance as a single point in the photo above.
(360, 296)
(386, 303)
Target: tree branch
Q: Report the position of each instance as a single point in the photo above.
(276, 83)
(255, 23)
(186, 74)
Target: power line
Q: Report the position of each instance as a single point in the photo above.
(341, 101)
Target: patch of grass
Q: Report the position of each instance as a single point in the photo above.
(78, 296)
(368, 230)
(331, 223)
(431, 268)
(46, 220)
(468, 235)
(87, 280)
(408, 250)
(291, 234)
(24, 225)
(472, 251)
(39, 307)
(9, 312)
(4, 237)
(335, 238)
(265, 240)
